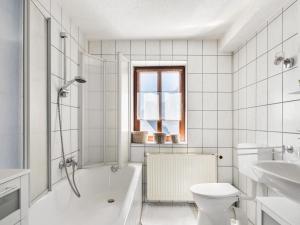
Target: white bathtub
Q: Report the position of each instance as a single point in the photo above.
(96, 184)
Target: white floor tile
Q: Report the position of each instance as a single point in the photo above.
(169, 214)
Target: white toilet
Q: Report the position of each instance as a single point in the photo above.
(214, 201)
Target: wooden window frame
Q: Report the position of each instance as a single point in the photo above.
(159, 70)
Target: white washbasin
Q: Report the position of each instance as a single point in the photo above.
(281, 176)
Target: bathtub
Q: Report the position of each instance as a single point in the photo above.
(97, 184)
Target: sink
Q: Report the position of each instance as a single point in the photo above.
(281, 176)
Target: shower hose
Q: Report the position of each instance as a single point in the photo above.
(72, 185)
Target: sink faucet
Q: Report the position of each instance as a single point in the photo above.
(289, 148)
(114, 168)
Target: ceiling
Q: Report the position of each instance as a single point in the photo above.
(155, 19)
(231, 21)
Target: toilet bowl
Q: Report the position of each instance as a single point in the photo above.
(214, 201)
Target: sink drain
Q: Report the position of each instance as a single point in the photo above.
(111, 200)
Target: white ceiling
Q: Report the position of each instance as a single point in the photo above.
(155, 19)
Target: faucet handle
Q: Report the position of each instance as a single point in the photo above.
(289, 148)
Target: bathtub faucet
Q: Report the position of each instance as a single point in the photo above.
(114, 168)
(69, 162)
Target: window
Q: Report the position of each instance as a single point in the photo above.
(159, 100)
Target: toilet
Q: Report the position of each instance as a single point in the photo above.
(214, 201)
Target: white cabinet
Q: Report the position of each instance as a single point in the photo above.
(268, 220)
(14, 197)
(277, 211)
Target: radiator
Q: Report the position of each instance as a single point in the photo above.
(170, 176)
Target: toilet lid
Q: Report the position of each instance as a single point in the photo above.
(215, 190)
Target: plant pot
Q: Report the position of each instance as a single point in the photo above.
(160, 138)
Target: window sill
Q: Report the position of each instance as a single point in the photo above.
(168, 145)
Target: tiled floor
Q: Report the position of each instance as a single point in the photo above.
(169, 214)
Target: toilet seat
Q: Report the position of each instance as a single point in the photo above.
(215, 190)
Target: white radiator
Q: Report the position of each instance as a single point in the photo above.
(170, 176)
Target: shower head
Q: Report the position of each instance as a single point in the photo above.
(80, 79)
(64, 91)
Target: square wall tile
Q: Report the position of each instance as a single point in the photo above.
(235, 81)
(251, 73)
(262, 93)
(289, 21)
(251, 135)
(251, 118)
(262, 41)
(243, 119)
(137, 154)
(275, 117)
(225, 119)
(195, 64)
(108, 47)
(195, 82)
(224, 64)
(242, 77)
(224, 101)
(226, 159)
(210, 64)
(194, 101)
(138, 47)
(195, 119)
(179, 47)
(210, 138)
(275, 89)
(225, 174)
(224, 83)
(123, 47)
(262, 118)
(235, 62)
(210, 101)
(290, 84)
(251, 96)
(251, 50)
(225, 138)
(210, 119)
(262, 67)
(152, 47)
(195, 137)
(210, 82)
(242, 57)
(275, 32)
(166, 47)
(274, 138)
(291, 118)
(194, 47)
(242, 96)
(210, 47)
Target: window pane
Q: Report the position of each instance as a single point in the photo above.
(171, 106)
(170, 81)
(170, 127)
(148, 106)
(148, 82)
(148, 125)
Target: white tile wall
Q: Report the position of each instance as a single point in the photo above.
(70, 106)
(264, 111)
